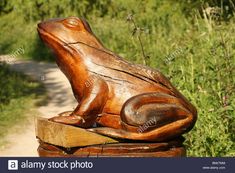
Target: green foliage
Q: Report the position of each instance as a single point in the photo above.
(191, 42)
(16, 96)
(5, 7)
(225, 7)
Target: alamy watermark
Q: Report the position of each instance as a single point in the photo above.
(147, 124)
(170, 57)
(11, 58)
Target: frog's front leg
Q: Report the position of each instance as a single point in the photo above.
(91, 104)
(152, 117)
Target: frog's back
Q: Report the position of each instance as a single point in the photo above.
(106, 63)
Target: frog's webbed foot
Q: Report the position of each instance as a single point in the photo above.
(111, 132)
(152, 117)
(68, 118)
(66, 113)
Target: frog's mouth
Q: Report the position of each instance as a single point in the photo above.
(49, 37)
(54, 42)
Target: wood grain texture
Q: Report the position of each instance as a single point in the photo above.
(166, 149)
(67, 136)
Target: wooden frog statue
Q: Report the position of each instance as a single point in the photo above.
(117, 96)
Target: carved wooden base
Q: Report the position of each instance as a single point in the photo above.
(59, 140)
(171, 149)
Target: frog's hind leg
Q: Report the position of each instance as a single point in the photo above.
(152, 117)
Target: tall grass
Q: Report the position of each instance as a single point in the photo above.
(191, 43)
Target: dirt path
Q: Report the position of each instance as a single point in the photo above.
(23, 142)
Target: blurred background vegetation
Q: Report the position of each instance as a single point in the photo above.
(18, 95)
(192, 42)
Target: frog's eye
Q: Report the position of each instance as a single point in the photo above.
(71, 22)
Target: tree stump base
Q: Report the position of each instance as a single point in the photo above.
(59, 140)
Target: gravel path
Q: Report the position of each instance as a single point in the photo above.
(60, 98)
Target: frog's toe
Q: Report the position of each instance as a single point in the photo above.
(66, 113)
(70, 120)
(111, 132)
